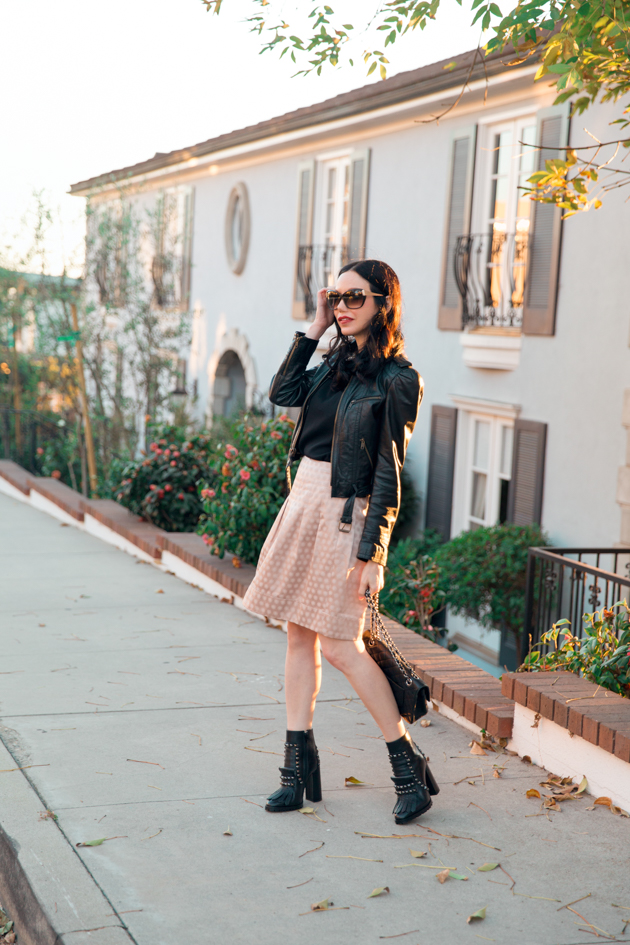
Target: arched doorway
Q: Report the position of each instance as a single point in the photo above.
(229, 388)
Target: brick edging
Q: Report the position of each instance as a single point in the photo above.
(597, 715)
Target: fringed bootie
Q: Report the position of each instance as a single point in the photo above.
(412, 779)
(299, 775)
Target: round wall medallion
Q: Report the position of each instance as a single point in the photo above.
(237, 225)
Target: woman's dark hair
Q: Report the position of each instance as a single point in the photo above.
(384, 342)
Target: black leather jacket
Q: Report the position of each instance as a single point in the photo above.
(373, 425)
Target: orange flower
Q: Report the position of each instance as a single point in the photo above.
(56, 474)
(226, 469)
(224, 487)
(275, 435)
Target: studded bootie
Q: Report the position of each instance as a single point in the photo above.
(299, 775)
(412, 779)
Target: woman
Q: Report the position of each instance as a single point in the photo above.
(329, 542)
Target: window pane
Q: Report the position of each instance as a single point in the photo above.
(478, 504)
(332, 177)
(507, 435)
(503, 142)
(482, 444)
(500, 198)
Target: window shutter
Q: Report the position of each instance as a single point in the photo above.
(306, 191)
(187, 240)
(539, 310)
(441, 469)
(358, 203)
(458, 211)
(528, 469)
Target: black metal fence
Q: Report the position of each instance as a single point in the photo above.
(23, 432)
(490, 270)
(569, 582)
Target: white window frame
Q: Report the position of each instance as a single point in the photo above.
(340, 162)
(498, 415)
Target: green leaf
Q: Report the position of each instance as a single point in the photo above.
(379, 891)
(455, 875)
(477, 916)
(372, 68)
(487, 867)
(92, 843)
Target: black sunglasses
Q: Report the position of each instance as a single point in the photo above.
(354, 298)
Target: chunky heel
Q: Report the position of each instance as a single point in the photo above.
(431, 782)
(313, 790)
(299, 774)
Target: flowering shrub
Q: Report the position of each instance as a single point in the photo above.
(603, 655)
(412, 593)
(164, 487)
(241, 505)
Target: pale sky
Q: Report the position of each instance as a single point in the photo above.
(89, 87)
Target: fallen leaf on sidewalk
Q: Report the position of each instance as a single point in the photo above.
(160, 591)
(321, 906)
(532, 792)
(607, 802)
(418, 853)
(97, 843)
(476, 749)
(381, 890)
(312, 811)
(47, 815)
(477, 916)
(487, 867)
(425, 723)
(228, 833)
(350, 782)
(496, 773)
(442, 876)
(454, 875)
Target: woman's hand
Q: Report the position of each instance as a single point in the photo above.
(324, 317)
(372, 578)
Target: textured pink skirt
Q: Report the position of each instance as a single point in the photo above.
(308, 571)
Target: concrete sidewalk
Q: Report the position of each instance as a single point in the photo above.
(144, 711)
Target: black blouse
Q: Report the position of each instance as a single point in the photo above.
(315, 440)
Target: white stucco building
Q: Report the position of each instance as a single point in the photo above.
(518, 322)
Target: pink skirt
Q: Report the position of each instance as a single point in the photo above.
(308, 571)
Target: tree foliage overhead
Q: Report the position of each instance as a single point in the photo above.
(583, 47)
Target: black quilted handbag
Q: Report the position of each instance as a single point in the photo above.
(410, 692)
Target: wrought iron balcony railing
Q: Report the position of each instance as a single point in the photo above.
(317, 268)
(490, 270)
(568, 582)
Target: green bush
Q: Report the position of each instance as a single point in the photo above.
(250, 488)
(164, 487)
(483, 572)
(409, 505)
(601, 656)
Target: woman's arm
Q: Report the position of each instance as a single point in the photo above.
(292, 383)
(399, 419)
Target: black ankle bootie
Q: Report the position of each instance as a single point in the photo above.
(299, 775)
(412, 779)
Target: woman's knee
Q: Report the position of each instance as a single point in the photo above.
(299, 637)
(341, 654)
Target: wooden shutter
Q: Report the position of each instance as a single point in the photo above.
(539, 310)
(458, 209)
(304, 238)
(358, 203)
(187, 241)
(528, 470)
(441, 469)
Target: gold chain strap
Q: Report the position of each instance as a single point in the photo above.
(381, 634)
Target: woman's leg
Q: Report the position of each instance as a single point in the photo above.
(368, 681)
(303, 675)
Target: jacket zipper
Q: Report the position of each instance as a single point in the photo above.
(364, 447)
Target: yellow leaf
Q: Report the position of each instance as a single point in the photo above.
(487, 867)
(583, 785)
(321, 906)
(379, 891)
(533, 792)
(418, 853)
(478, 915)
(603, 801)
(352, 781)
(228, 833)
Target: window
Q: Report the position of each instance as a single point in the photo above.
(499, 259)
(333, 214)
(489, 470)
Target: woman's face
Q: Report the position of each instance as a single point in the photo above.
(356, 321)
